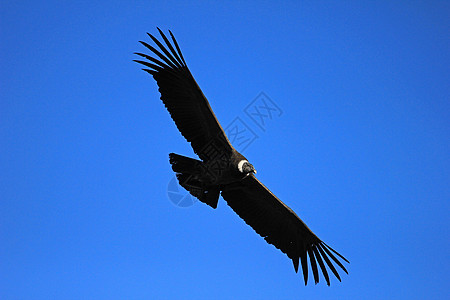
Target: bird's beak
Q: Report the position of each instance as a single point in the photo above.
(254, 171)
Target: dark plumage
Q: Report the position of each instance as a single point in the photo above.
(223, 170)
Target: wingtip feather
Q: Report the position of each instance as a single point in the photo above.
(321, 264)
(325, 247)
(304, 262)
(313, 265)
(337, 253)
(295, 262)
(329, 263)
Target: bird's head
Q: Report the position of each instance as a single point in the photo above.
(245, 167)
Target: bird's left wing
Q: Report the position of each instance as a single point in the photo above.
(184, 99)
(281, 227)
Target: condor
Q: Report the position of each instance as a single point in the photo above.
(222, 170)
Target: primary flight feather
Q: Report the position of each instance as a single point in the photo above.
(222, 170)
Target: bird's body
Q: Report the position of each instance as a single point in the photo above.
(205, 180)
(222, 170)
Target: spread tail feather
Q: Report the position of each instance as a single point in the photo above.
(189, 173)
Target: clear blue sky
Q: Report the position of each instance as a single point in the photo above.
(361, 151)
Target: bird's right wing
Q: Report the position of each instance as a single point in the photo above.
(281, 227)
(184, 99)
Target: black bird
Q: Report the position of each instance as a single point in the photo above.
(223, 170)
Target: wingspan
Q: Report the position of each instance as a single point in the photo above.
(184, 99)
(281, 227)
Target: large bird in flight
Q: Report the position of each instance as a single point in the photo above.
(223, 170)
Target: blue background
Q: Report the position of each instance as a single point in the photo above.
(361, 151)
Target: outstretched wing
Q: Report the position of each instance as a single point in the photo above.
(281, 227)
(184, 99)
